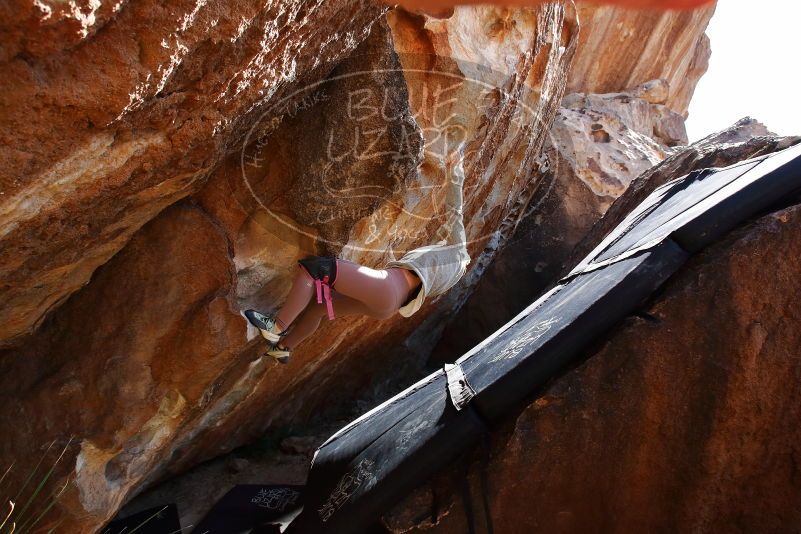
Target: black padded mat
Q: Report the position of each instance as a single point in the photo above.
(699, 208)
(358, 472)
(250, 506)
(548, 336)
(158, 520)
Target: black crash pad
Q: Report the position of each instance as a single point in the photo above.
(158, 520)
(699, 208)
(249, 507)
(649, 245)
(549, 334)
(369, 464)
(365, 466)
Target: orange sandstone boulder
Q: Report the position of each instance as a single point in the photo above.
(112, 111)
(442, 7)
(149, 368)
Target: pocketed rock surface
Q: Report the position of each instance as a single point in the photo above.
(621, 48)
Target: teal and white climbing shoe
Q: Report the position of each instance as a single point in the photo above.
(279, 353)
(264, 324)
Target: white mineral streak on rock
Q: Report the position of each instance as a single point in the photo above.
(172, 104)
(97, 158)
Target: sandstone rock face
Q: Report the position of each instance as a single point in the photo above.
(649, 63)
(113, 111)
(622, 48)
(150, 368)
(443, 8)
(680, 420)
(597, 145)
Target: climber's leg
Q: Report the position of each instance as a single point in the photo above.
(382, 291)
(299, 297)
(310, 319)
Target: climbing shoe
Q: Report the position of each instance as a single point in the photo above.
(279, 353)
(264, 324)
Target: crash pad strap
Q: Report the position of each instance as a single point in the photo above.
(459, 390)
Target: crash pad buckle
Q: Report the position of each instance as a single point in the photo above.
(459, 389)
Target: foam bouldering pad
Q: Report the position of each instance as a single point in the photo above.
(252, 507)
(364, 467)
(547, 336)
(158, 520)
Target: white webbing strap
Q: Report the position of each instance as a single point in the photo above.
(459, 389)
